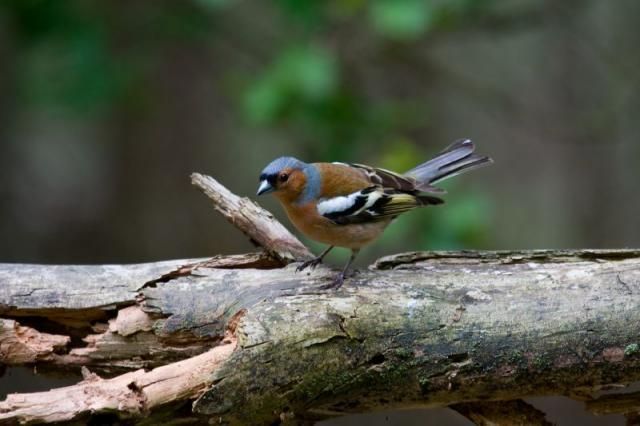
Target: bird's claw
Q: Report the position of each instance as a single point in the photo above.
(336, 283)
(309, 263)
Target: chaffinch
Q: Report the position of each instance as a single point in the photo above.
(349, 205)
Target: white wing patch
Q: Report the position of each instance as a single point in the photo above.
(352, 204)
(337, 204)
(371, 200)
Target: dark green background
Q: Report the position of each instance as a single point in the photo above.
(107, 107)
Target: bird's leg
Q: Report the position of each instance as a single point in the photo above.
(339, 279)
(313, 262)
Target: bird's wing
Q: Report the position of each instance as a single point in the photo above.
(388, 179)
(371, 204)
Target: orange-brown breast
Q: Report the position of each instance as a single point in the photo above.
(306, 218)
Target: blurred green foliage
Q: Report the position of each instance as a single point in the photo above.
(300, 78)
(401, 19)
(76, 58)
(64, 62)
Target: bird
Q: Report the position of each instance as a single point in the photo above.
(349, 205)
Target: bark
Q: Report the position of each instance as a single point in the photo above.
(22, 345)
(131, 394)
(416, 329)
(242, 340)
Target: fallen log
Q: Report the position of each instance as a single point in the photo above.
(246, 340)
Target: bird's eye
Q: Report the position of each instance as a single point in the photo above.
(283, 177)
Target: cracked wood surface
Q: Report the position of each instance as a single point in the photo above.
(24, 287)
(435, 330)
(416, 329)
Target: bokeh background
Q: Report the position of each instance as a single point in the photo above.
(107, 107)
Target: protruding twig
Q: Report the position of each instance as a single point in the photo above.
(257, 223)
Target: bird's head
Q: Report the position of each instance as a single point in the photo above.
(287, 177)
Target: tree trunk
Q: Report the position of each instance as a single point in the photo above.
(250, 341)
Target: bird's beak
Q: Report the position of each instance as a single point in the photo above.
(265, 187)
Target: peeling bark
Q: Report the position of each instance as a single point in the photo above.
(129, 341)
(23, 345)
(133, 394)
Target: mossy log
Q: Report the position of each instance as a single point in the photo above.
(418, 329)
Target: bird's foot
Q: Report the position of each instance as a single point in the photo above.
(336, 283)
(309, 263)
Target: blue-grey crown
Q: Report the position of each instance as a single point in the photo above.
(281, 163)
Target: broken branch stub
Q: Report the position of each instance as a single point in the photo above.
(25, 345)
(257, 223)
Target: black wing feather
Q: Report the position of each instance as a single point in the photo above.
(389, 204)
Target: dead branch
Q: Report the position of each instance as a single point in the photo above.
(132, 394)
(253, 220)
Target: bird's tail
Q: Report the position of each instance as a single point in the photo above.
(457, 158)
